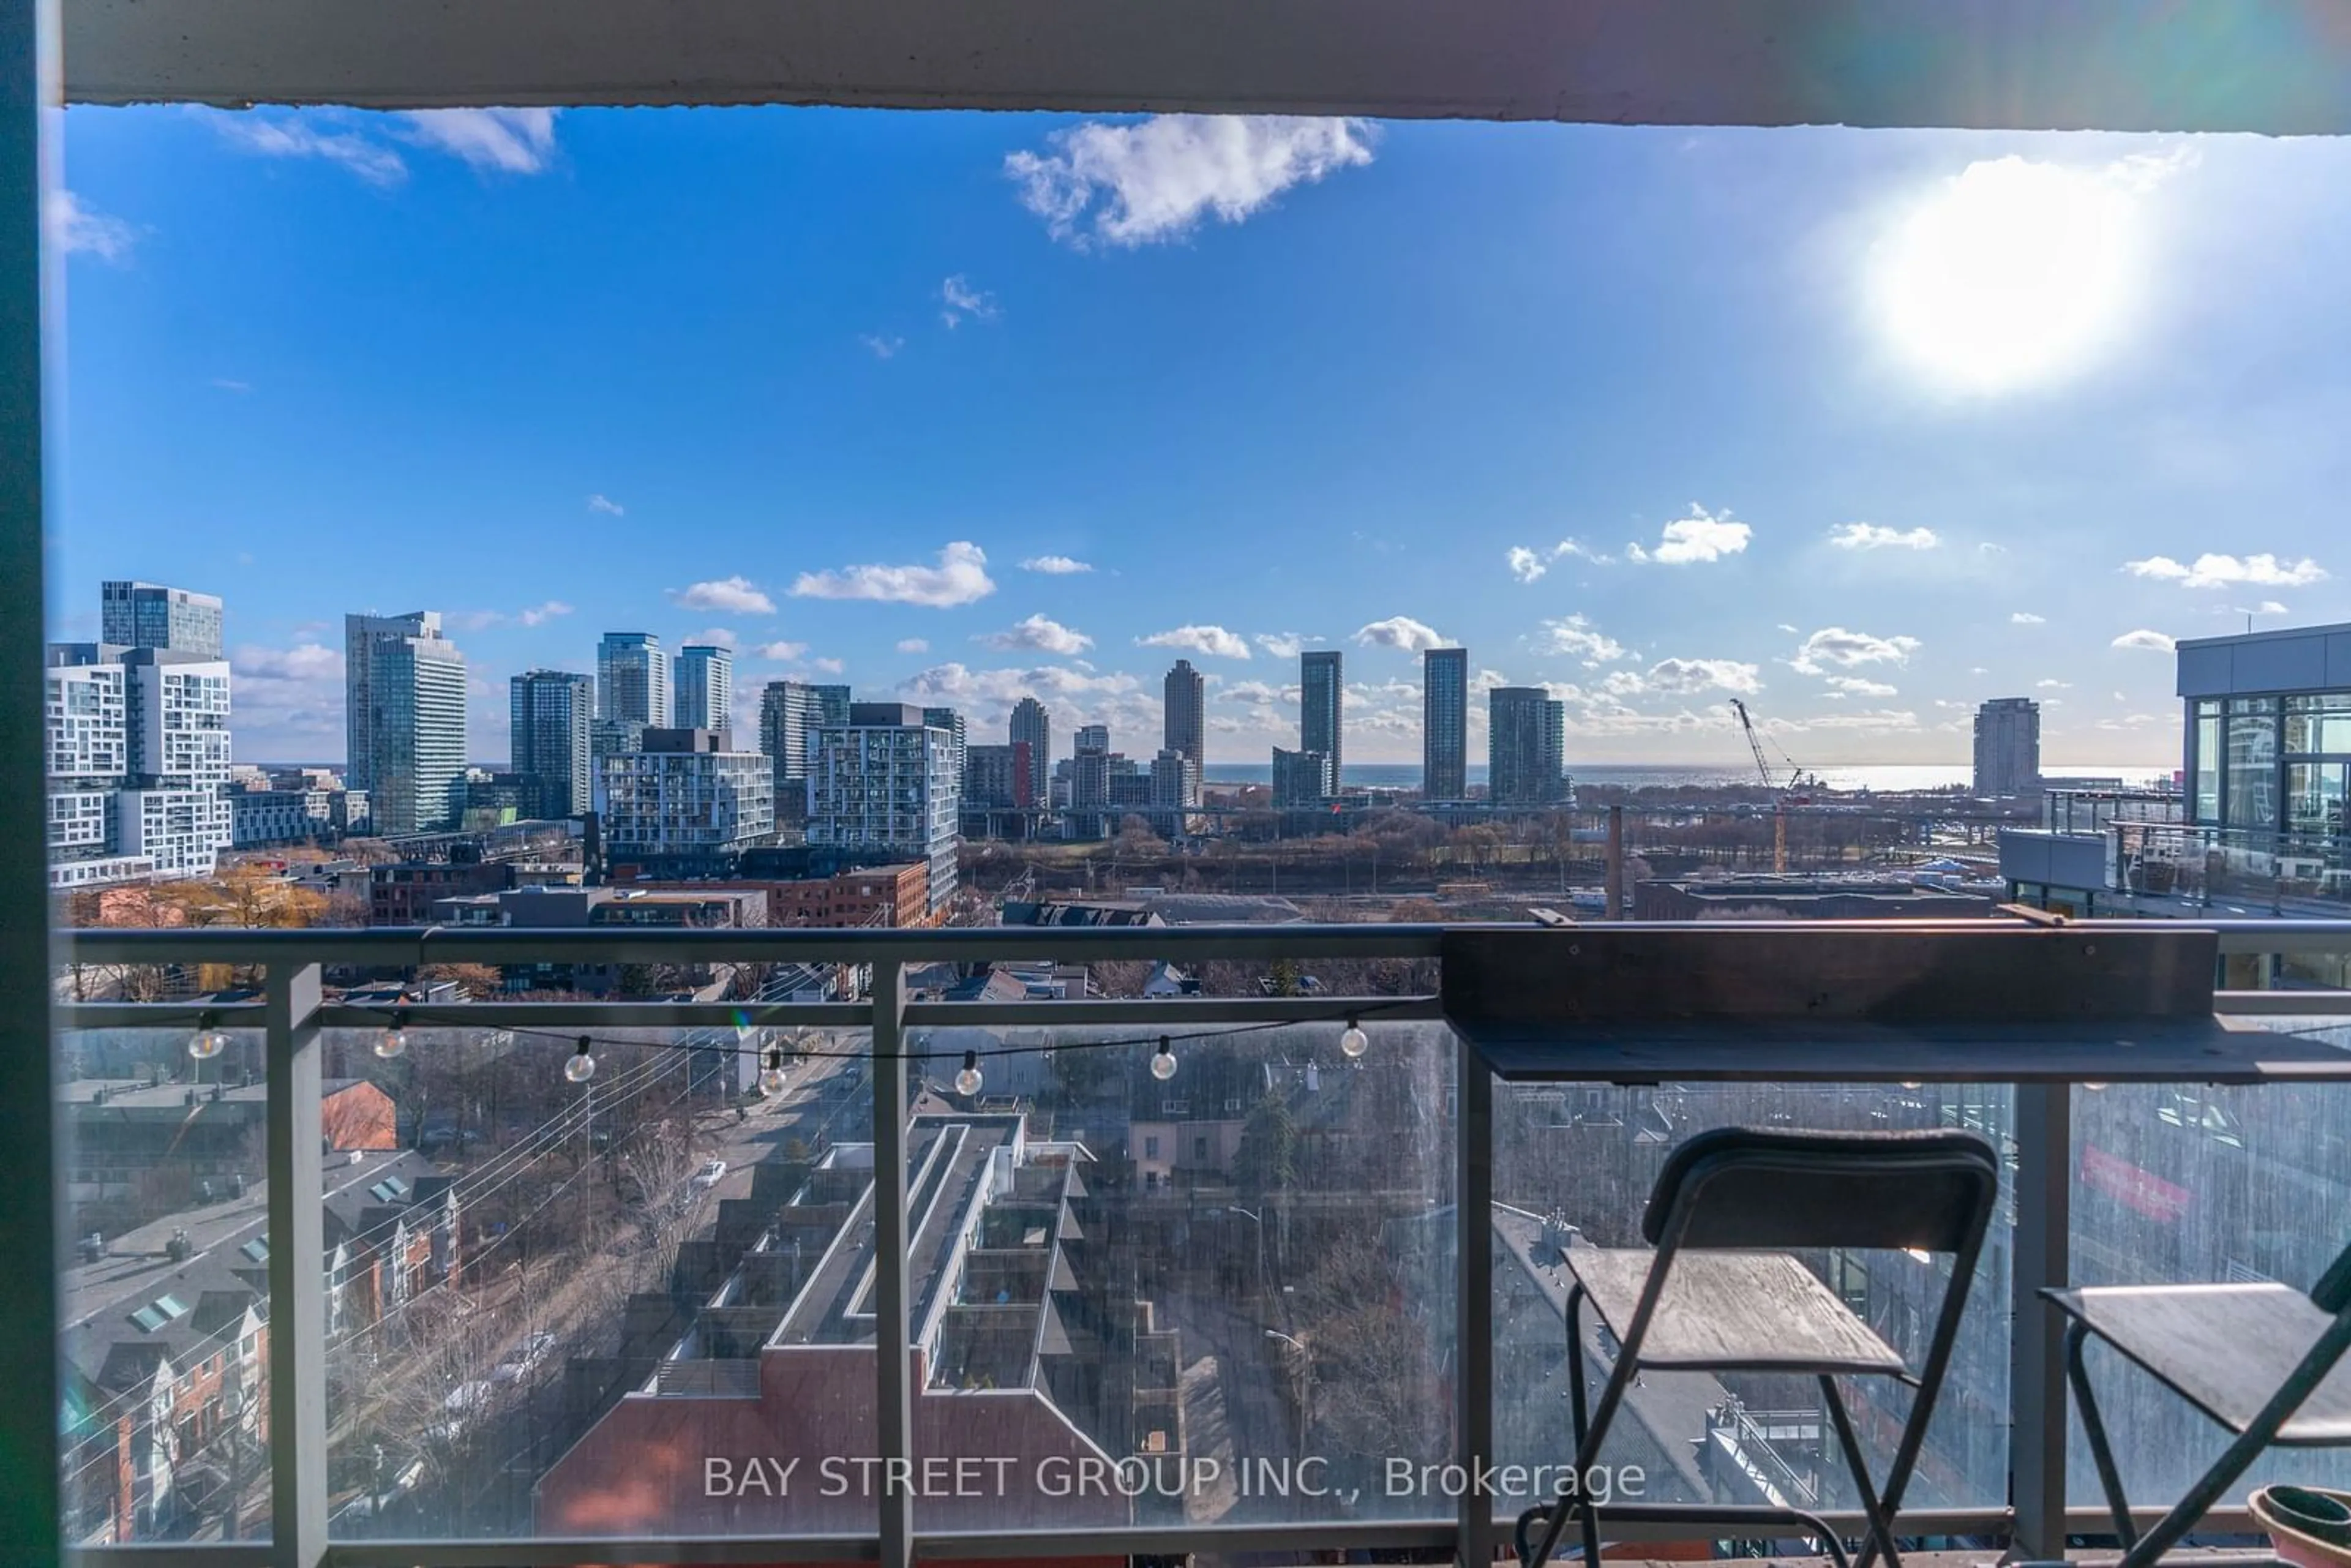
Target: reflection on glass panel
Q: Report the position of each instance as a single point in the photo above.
(1574, 1168)
(1208, 1299)
(2253, 752)
(2319, 723)
(2192, 1184)
(597, 1307)
(2316, 793)
(166, 1374)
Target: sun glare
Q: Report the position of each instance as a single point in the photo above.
(2010, 272)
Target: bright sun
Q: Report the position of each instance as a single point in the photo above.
(2008, 274)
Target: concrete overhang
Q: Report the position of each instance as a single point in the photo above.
(2263, 66)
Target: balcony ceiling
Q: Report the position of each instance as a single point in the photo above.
(2267, 66)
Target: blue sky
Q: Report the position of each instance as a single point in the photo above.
(1863, 427)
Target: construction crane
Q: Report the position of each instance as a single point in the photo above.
(1778, 791)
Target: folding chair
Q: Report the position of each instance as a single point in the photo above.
(1705, 1300)
(2261, 1361)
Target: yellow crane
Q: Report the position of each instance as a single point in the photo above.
(1779, 791)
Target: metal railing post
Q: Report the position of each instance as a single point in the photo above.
(298, 1257)
(2036, 1379)
(1473, 1313)
(894, 1407)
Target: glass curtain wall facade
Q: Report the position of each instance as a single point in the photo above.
(2278, 764)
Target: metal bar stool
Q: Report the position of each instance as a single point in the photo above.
(1709, 1299)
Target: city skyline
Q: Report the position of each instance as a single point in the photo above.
(1486, 431)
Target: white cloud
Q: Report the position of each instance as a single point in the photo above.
(1284, 645)
(1836, 645)
(304, 661)
(601, 502)
(1527, 565)
(540, 614)
(1055, 565)
(728, 595)
(781, 653)
(960, 578)
(881, 348)
(1073, 695)
(2140, 721)
(960, 302)
(2153, 642)
(1578, 636)
(713, 637)
(1038, 633)
(1210, 640)
(509, 141)
(913, 645)
(1858, 686)
(2050, 683)
(2026, 618)
(827, 666)
(2224, 570)
(1702, 674)
(1155, 180)
(77, 229)
(1700, 537)
(1879, 720)
(295, 137)
(1873, 536)
(289, 698)
(1400, 631)
(1256, 694)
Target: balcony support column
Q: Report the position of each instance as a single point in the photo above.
(2036, 1381)
(893, 1401)
(1473, 1224)
(297, 1259)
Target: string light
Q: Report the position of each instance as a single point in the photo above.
(210, 1040)
(968, 1081)
(771, 1076)
(581, 1065)
(395, 1035)
(1354, 1041)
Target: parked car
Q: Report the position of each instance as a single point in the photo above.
(712, 1173)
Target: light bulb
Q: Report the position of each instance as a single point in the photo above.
(771, 1076)
(1163, 1061)
(582, 1066)
(210, 1040)
(1354, 1041)
(1910, 1086)
(968, 1081)
(395, 1036)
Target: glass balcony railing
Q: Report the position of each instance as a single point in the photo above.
(375, 1278)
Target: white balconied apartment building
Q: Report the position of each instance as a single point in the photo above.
(138, 744)
(687, 796)
(885, 784)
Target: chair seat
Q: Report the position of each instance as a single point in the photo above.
(2225, 1349)
(1759, 1311)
